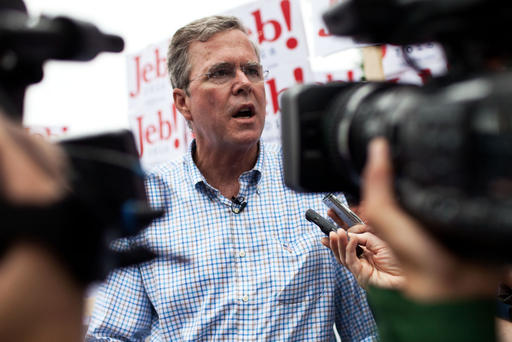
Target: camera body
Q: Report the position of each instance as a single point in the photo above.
(451, 140)
(105, 198)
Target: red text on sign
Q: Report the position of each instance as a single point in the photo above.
(277, 30)
(149, 134)
(147, 72)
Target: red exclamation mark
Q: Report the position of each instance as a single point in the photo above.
(350, 76)
(292, 42)
(298, 74)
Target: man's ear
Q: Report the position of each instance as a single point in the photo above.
(181, 102)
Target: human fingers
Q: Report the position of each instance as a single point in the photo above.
(333, 241)
(368, 240)
(360, 228)
(325, 242)
(377, 174)
(353, 262)
(339, 242)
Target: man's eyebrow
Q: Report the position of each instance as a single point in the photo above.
(220, 65)
(228, 64)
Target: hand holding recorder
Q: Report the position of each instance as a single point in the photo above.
(375, 263)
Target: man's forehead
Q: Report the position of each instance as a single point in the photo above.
(226, 46)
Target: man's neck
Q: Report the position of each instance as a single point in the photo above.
(222, 168)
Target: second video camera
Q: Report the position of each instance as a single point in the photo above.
(451, 140)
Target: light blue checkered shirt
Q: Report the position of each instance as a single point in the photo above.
(260, 275)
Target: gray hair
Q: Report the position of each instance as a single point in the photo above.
(199, 30)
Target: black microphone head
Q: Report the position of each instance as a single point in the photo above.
(82, 41)
(310, 214)
(113, 43)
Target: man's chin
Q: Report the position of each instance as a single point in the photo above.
(245, 140)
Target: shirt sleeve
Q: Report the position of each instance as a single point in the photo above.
(122, 310)
(353, 317)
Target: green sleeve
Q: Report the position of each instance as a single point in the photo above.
(403, 320)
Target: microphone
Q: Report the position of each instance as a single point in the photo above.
(237, 204)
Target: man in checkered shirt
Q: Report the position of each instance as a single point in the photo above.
(256, 269)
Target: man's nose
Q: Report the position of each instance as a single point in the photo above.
(241, 83)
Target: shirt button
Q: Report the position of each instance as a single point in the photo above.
(241, 254)
(245, 298)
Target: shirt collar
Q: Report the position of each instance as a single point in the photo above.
(194, 174)
(196, 178)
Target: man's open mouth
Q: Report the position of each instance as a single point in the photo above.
(244, 112)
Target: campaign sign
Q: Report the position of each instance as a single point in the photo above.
(147, 75)
(160, 131)
(352, 75)
(281, 77)
(277, 27)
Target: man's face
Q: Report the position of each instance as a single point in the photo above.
(230, 115)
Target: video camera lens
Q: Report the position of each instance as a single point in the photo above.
(357, 115)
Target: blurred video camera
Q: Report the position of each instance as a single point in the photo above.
(106, 200)
(451, 140)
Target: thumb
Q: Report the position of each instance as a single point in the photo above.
(378, 188)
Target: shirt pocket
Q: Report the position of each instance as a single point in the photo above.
(303, 271)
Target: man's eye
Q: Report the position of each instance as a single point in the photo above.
(252, 71)
(220, 73)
